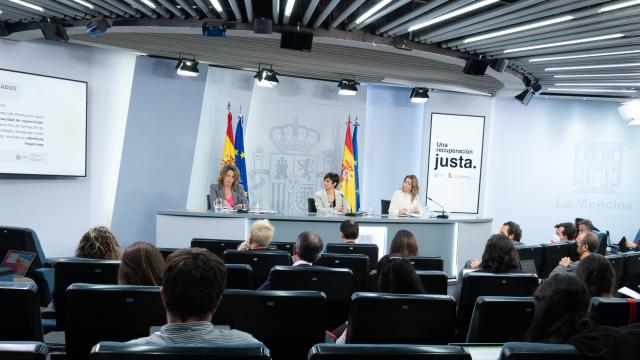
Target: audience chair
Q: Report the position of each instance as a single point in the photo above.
(538, 351)
(372, 282)
(386, 352)
(282, 246)
(476, 284)
(384, 206)
(357, 263)
(425, 263)
(23, 350)
(433, 282)
(167, 251)
(239, 276)
(553, 253)
(216, 246)
(208, 202)
(22, 239)
(603, 241)
(20, 312)
(614, 311)
(631, 273)
(124, 351)
(336, 284)
(289, 323)
(77, 270)
(260, 261)
(617, 261)
(371, 250)
(311, 205)
(535, 253)
(499, 319)
(109, 313)
(378, 318)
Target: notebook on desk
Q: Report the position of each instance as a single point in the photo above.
(18, 261)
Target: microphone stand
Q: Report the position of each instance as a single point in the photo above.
(443, 215)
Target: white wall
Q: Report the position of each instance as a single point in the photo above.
(60, 210)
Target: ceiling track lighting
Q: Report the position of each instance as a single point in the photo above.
(618, 6)
(419, 95)
(552, 58)
(449, 15)
(374, 9)
(585, 67)
(560, 43)
(518, 29)
(28, 5)
(266, 77)
(348, 87)
(289, 7)
(187, 67)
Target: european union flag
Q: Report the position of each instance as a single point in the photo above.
(240, 156)
(355, 155)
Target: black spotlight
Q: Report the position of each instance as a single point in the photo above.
(525, 96)
(475, 67)
(536, 87)
(419, 95)
(53, 31)
(266, 77)
(186, 67)
(97, 26)
(296, 40)
(262, 26)
(499, 65)
(212, 30)
(348, 87)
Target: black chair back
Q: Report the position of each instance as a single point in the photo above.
(631, 276)
(553, 253)
(216, 246)
(109, 313)
(433, 282)
(535, 253)
(282, 246)
(260, 261)
(311, 205)
(22, 239)
(371, 250)
(77, 270)
(167, 251)
(289, 323)
(613, 311)
(386, 352)
(20, 312)
(378, 318)
(357, 263)
(208, 202)
(336, 284)
(617, 261)
(124, 351)
(500, 319)
(476, 284)
(239, 276)
(426, 263)
(23, 350)
(384, 206)
(603, 240)
(538, 351)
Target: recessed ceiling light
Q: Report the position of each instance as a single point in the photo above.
(583, 56)
(592, 90)
(619, 6)
(595, 75)
(449, 15)
(29, 5)
(519, 28)
(289, 8)
(149, 3)
(590, 67)
(371, 11)
(568, 42)
(216, 5)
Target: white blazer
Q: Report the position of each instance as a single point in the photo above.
(322, 201)
(402, 200)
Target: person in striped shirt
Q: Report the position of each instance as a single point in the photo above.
(194, 280)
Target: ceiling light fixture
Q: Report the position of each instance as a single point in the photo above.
(29, 5)
(584, 67)
(595, 75)
(149, 3)
(597, 84)
(419, 95)
(460, 11)
(348, 87)
(216, 5)
(583, 56)
(289, 8)
(186, 67)
(266, 77)
(84, 3)
(568, 42)
(592, 90)
(618, 6)
(372, 11)
(518, 29)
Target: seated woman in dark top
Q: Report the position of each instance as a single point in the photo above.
(500, 256)
(597, 272)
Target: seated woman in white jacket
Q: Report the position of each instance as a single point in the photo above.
(405, 201)
(330, 197)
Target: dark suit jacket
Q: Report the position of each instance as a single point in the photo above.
(267, 283)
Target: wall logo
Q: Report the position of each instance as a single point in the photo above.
(8, 90)
(597, 167)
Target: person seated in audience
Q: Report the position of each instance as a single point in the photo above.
(588, 225)
(306, 251)
(260, 236)
(513, 232)
(499, 256)
(561, 305)
(330, 197)
(141, 264)
(625, 245)
(564, 232)
(194, 280)
(597, 272)
(404, 244)
(99, 243)
(349, 232)
(584, 247)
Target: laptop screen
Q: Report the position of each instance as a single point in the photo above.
(18, 261)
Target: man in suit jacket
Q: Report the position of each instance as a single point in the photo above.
(306, 251)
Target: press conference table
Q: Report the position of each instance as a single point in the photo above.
(456, 239)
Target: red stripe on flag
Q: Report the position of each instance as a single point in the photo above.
(348, 140)
(229, 127)
(632, 311)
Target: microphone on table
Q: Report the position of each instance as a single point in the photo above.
(443, 215)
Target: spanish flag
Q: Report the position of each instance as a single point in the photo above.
(228, 151)
(348, 175)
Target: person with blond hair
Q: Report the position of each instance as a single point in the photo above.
(260, 236)
(99, 243)
(405, 201)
